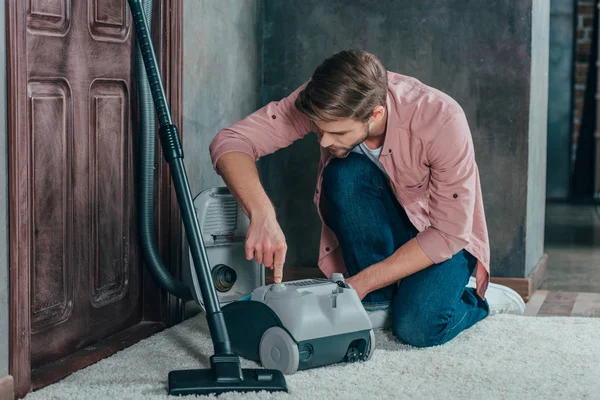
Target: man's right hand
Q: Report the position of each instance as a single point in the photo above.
(265, 242)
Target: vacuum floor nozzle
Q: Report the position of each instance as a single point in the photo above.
(226, 375)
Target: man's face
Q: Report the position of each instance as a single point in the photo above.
(341, 136)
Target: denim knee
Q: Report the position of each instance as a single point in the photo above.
(345, 176)
(418, 331)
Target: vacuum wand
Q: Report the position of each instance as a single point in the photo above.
(225, 373)
(173, 154)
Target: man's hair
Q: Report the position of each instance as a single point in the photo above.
(349, 84)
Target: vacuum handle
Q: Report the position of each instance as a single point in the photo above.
(173, 154)
(147, 50)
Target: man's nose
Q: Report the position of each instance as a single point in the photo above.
(326, 140)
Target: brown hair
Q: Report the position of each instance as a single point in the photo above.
(348, 84)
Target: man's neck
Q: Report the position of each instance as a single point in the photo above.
(377, 134)
(374, 143)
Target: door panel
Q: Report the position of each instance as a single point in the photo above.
(50, 138)
(109, 157)
(85, 272)
(50, 17)
(109, 20)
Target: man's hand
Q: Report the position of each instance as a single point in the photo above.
(406, 260)
(265, 242)
(354, 282)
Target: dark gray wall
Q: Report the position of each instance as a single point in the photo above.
(4, 327)
(221, 76)
(479, 55)
(560, 79)
(222, 49)
(538, 132)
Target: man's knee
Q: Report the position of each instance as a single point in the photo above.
(419, 330)
(345, 175)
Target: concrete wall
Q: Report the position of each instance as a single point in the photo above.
(221, 76)
(538, 117)
(482, 56)
(222, 60)
(560, 98)
(4, 326)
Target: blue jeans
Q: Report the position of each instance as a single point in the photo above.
(429, 307)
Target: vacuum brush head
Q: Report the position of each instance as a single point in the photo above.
(225, 375)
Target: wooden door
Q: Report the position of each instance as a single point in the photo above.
(77, 268)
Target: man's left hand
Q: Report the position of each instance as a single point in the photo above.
(354, 282)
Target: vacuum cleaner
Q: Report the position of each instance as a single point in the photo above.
(301, 324)
(305, 324)
(286, 327)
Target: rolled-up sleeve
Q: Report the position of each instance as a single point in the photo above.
(452, 190)
(272, 127)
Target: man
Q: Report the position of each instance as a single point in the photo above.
(398, 193)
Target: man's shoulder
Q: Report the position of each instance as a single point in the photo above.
(413, 90)
(420, 108)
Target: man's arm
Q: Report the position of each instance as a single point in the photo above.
(240, 174)
(234, 152)
(405, 261)
(265, 240)
(451, 206)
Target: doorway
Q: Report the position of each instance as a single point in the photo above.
(572, 223)
(79, 290)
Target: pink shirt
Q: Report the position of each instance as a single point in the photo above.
(428, 154)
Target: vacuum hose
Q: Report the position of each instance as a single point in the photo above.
(147, 128)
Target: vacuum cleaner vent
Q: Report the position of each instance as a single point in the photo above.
(221, 218)
(308, 282)
(224, 227)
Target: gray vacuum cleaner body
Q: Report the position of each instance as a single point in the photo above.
(289, 326)
(301, 324)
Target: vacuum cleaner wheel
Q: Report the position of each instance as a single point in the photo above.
(370, 345)
(279, 351)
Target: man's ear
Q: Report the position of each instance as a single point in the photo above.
(378, 112)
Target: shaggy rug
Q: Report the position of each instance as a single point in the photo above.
(502, 357)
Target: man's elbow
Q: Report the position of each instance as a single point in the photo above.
(458, 243)
(216, 148)
(440, 245)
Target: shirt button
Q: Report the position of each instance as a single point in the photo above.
(326, 248)
(273, 116)
(455, 195)
(389, 150)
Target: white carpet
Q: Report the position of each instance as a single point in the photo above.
(502, 357)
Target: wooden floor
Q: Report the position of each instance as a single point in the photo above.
(572, 242)
(545, 303)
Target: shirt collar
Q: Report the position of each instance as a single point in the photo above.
(391, 129)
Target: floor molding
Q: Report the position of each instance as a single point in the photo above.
(7, 391)
(57, 370)
(526, 287)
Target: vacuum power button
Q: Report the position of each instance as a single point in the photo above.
(278, 287)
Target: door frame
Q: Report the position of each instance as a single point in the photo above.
(158, 311)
